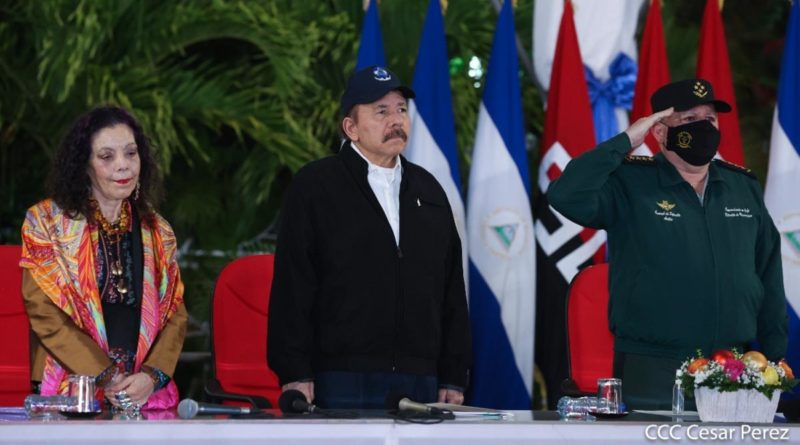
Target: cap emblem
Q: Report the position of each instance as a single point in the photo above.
(684, 139)
(700, 90)
(381, 75)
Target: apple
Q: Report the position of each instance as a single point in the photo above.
(786, 369)
(722, 356)
(757, 358)
(770, 376)
(697, 364)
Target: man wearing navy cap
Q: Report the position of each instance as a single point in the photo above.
(694, 256)
(368, 298)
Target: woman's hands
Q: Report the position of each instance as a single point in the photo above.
(138, 387)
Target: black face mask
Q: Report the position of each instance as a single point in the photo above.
(695, 142)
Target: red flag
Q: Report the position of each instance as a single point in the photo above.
(653, 72)
(713, 65)
(568, 125)
(569, 113)
(562, 246)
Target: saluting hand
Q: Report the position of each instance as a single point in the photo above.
(638, 131)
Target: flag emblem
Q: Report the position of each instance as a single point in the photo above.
(794, 240)
(503, 234)
(506, 233)
(789, 228)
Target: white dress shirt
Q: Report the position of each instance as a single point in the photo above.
(385, 184)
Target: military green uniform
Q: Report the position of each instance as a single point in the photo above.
(684, 275)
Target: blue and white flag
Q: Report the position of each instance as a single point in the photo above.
(433, 133)
(500, 237)
(783, 178)
(370, 50)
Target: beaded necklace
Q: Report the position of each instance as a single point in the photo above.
(119, 227)
(115, 286)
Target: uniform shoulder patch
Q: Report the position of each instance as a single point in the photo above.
(735, 167)
(642, 160)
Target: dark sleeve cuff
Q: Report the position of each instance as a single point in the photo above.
(460, 389)
(620, 143)
(105, 377)
(454, 379)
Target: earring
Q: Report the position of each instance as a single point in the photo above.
(136, 191)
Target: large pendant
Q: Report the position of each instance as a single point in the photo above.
(116, 269)
(122, 287)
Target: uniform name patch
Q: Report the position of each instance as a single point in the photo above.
(668, 216)
(737, 212)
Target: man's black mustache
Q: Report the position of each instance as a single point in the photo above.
(396, 133)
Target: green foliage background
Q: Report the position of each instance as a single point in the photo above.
(237, 95)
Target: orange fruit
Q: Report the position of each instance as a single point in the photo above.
(697, 364)
(786, 369)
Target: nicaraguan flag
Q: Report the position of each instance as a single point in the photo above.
(433, 134)
(370, 50)
(500, 237)
(783, 178)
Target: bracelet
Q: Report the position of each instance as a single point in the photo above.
(106, 376)
(159, 379)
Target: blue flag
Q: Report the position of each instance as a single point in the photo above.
(500, 237)
(370, 50)
(433, 134)
(783, 178)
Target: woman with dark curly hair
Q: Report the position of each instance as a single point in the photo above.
(100, 277)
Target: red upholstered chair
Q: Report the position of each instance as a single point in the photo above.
(239, 334)
(15, 370)
(590, 343)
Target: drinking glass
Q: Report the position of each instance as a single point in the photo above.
(82, 388)
(609, 395)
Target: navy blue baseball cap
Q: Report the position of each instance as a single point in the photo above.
(370, 84)
(685, 95)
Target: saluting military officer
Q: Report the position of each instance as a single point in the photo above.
(694, 256)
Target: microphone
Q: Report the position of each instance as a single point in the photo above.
(401, 402)
(188, 409)
(293, 401)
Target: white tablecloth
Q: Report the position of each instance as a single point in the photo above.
(521, 429)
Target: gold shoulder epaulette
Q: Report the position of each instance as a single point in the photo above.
(735, 167)
(645, 160)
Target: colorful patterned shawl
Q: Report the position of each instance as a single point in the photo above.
(59, 253)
